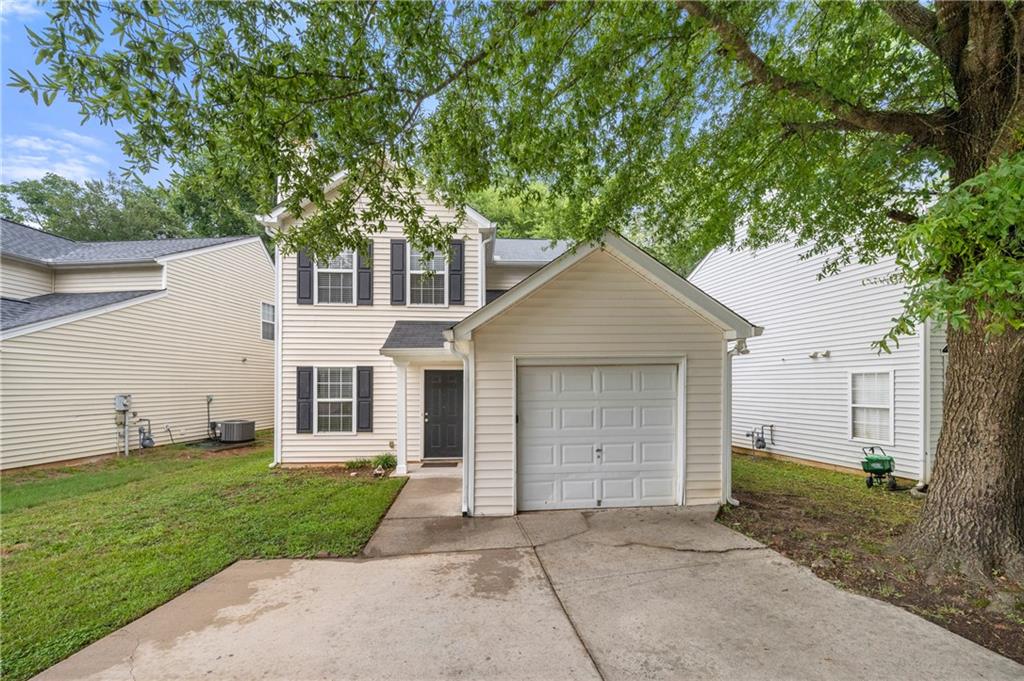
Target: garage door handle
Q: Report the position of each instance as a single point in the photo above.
(598, 450)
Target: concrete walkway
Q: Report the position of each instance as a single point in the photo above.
(613, 594)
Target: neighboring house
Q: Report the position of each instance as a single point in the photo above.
(815, 377)
(168, 321)
(596, 376)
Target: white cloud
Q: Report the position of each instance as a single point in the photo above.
(29, 157)
(19, 9)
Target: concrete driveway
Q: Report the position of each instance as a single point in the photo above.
(614, 594)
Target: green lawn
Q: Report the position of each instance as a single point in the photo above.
(86, 551)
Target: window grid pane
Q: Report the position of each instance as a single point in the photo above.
(871, 423)
(426, 289)
(871, 389)
(335, 388)
(268, 330)
(334, 287)
(418, 262)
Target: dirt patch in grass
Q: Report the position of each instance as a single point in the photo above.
(851, 536)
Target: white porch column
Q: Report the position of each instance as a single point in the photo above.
(401, 467)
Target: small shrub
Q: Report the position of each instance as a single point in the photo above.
(385, 461)
(359, 463)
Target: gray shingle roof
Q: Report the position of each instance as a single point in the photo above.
(527, 250)
(28, 243)
(15, 313)
(416, 334)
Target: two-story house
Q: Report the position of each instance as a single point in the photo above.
(561, 377)
(184, 326)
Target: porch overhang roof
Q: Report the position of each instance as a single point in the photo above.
(417, 338)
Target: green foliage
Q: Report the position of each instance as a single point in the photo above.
(532, 214)
(115, 541)
(967, 254)
(639, 117)
(120, 209)
(114, 209)
(385, 461)
(359, 463)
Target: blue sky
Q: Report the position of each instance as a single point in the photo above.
(36, 139)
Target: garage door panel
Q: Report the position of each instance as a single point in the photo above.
(614, 442)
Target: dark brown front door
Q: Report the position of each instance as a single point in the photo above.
(442, 414)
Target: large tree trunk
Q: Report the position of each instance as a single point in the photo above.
(973, 517)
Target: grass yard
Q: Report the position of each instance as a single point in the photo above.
(849, 535)
(89, 549)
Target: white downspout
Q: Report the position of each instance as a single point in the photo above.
(278, 341)
(468, 426)
(926, 403)
(727, 354)
(402, 458)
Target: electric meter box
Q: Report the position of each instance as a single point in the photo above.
(122, 402)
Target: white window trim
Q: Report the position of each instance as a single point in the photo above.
(273, 321)
(892, 406)
(317, 401)
(355, 280)
(408, 280)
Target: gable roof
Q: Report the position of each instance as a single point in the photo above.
(35, 245)
(15, 314)
(526, 251)
(732, 324)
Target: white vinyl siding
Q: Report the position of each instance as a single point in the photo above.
(336, 280)
(267, 321)
(22, 280)
(338, 335)
(871, 407)
(428, 279)
(504, 277)
(93, 279)
(335, 400)
(201, 338)
(600, 308)
(779, 383)
(936, 383)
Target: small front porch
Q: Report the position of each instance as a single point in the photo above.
(431, 419)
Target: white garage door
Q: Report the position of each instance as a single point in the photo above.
(592, 436)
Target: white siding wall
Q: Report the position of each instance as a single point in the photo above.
(335, 335)
(504, 277)
(778, 383)
(202, 337)
(88, 280)
(21, 280)
(598, 308)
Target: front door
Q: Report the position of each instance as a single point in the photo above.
(442, 414)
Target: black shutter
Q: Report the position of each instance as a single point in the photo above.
(364, 280)
(304, 283)
(364, 399)
(304, 400)
(457, 273)
(398, 271)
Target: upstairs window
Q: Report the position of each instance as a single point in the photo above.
(336, 280)
(335, 392)
(428, 280)
(871, 407)
(267, 319)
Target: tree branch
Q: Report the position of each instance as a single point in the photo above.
(918, 21)
(926, 129)
(902, 216)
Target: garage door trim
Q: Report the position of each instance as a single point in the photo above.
(606, 360)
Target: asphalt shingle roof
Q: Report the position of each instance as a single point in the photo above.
(417, 334)
(527, 250)
(15, 313)
(28, 243)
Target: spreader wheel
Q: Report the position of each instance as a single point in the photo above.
(870, 480)
(891, 485)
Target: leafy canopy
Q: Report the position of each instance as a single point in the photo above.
(821, 122)
(121, 209)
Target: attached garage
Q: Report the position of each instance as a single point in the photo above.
(601, 380)
(592, 436)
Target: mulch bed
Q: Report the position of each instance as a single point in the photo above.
(860, 553)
